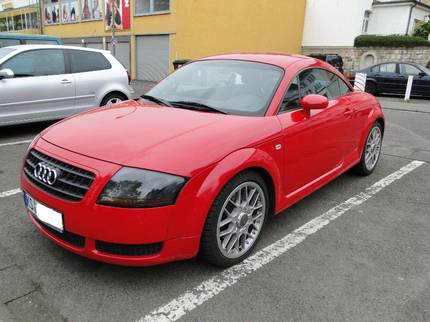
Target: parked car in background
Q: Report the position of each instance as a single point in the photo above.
(44, 82)
(22, 39)
(333, 59)
(392, 78)
(199, 163)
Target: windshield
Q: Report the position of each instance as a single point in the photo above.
(231, 86)
(5, 51)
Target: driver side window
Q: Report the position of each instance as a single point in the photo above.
(313, 81)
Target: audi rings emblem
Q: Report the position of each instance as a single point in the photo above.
(45, 173)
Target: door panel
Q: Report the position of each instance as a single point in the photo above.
(312, 144)
(420, 85)
(40, 88)
(90, 70)
(316, 142)
(387, 78)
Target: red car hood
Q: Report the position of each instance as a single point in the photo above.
(166, 139)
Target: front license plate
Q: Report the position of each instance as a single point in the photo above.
(45, 214)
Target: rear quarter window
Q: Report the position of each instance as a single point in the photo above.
(86, 61)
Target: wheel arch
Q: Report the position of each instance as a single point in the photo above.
(248, 159)
(381, 122)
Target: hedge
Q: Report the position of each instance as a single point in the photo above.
(390, 41)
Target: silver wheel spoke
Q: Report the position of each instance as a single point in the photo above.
(241, 219)
(225, 222)
(373, 148)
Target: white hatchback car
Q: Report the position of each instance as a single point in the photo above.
(43, 82)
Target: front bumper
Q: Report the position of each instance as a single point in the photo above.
(134, 237)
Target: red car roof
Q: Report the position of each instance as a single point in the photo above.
(278, 59)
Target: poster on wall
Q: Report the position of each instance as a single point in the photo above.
(69, 11)
(51, 14)
(91, 10)
(117, 13)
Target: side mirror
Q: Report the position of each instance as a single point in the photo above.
(6, 73)
(422, 74)
(314, 102)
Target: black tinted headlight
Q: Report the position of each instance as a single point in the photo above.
(137, 188)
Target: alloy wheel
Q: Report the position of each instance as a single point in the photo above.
(373, 148)
(241, 219)
(113, 100)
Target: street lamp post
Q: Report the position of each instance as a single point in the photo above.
(113, 41)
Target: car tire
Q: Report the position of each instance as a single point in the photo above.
(371, 149)
(246, 223)
(371, 88)
(112, 98)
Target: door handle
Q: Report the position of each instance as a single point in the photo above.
(66, 81)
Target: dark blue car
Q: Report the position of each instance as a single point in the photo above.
(392, 77)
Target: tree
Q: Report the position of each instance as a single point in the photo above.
(423, 30)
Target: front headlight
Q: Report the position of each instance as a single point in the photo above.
(138, 188)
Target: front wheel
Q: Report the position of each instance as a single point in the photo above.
(235, 221)
(371, 151)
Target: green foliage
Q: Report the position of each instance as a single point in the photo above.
(390, 41)
(422, 30)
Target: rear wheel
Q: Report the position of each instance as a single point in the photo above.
(235, 221)
(371, 151)
(371, 88)
(112, 99)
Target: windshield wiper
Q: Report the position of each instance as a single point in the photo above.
(196, 106)
(156, 100)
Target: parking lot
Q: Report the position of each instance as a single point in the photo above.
(356, 250)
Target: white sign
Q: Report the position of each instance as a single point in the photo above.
(360, 82)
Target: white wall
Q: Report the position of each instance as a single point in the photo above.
(337, 22)
(382, 18)
(419, 14)
(333, 22)
(388, 20)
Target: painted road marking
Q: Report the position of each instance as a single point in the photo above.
(15, 143)
(191, 299)
(9, 193)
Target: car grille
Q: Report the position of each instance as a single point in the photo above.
(72, 184)
(129, 249)
(66, 236)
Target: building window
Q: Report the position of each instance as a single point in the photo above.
(366, 21)
(148, 7)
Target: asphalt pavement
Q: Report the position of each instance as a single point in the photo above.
(356, 250)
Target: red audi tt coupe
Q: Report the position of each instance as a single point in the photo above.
(195, 166)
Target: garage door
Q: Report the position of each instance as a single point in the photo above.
(152, 57)
(122, 53)
(95, 45)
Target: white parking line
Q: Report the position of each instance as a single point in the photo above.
(15, 143)
(9, 193)
(191, 299)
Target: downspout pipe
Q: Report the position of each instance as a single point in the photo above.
(410, 17)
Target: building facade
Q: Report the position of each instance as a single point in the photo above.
(332, 25)
(20, 17)
(151, 34)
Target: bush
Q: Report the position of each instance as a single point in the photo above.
(390, 41)
(423, 30)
